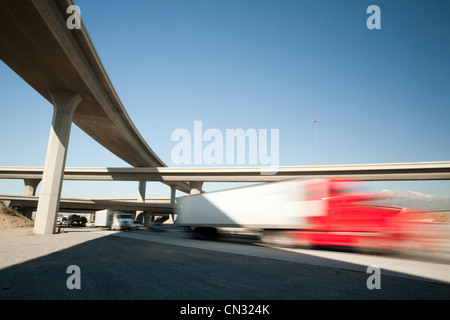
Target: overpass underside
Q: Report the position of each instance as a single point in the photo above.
(39, 47)
(144, 211)
(63, 66)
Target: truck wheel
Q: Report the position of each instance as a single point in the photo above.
(205, 233)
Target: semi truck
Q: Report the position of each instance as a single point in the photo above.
(76, 220)
(113, 219)
(317, 212)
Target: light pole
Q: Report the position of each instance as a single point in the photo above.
(317, 144)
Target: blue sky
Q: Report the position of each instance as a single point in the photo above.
(380, 95)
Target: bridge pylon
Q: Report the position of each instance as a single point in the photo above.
(64, 104)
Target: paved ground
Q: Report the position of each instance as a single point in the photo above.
(114, 266)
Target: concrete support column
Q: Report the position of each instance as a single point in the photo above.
(141, 191)
(64, 104)
(7, 203)
(146, 217)
(31, 186)
(30, 190)
(141, 198)
(173, 191)
(196, 187)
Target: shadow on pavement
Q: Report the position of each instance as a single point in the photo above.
(117, 267)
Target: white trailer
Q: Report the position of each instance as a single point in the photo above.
(116, 220)
(104, 218)
(329, 211)
(276, 205)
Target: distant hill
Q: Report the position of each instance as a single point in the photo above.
(415, 200)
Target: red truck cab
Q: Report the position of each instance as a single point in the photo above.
(349, 218)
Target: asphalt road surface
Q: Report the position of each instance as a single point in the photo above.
(169, 266)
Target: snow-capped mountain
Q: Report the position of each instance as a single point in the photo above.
(415, 200)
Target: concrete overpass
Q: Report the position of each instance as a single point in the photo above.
(197, 176)
(439, 170)
(155, 206)
(64, 67)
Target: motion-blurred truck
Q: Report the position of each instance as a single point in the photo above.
(330, 212)
(114, 220)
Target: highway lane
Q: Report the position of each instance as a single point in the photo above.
(171, 266)
(427, 266)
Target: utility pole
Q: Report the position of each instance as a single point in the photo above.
(317, 143)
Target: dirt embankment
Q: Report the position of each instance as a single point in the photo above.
(427, 216)
(11, 219)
